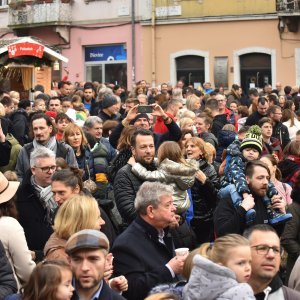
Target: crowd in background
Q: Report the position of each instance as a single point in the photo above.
(91, 157)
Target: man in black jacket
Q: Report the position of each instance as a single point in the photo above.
(141, 120)
(35, 203)
(262, 108)
(144, 252)
(280, 131)
(126, 184)
(228, 219)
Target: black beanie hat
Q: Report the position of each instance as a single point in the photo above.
(139, 116)
(108, 101)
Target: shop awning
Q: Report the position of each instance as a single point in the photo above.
(29, 47)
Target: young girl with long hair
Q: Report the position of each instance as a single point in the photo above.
(49, 280)
(221, 271)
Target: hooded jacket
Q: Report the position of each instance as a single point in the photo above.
(209, 281)
(180, 176)
(225, 138)
(289, 168)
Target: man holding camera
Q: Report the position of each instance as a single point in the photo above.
(138, 117)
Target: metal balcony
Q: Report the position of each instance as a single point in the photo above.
(39, 14)
(288, 7)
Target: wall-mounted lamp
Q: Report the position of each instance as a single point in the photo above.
(56, 66)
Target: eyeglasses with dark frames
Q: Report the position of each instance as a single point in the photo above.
(47, 169)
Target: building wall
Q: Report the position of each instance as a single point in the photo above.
(103, 36)
(202, 8)
(218, 39)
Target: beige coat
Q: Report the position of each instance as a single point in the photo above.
(180, 176)
(13, 239)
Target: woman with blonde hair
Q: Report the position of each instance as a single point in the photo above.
(75, 137)
(77, 213)
(186, 123)
(203, 191)
(193, 103)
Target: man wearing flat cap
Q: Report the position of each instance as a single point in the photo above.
(87, 250)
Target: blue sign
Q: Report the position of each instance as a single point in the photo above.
(105, 53)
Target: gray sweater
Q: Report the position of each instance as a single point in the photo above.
(210, 281)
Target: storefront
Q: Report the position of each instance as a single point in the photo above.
(106, 63)
(25, 62)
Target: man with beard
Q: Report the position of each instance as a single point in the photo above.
(87, 250)
(126, 184)
(229, 219)
(266, 254)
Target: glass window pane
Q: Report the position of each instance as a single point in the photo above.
(94, 73)
(116, 73)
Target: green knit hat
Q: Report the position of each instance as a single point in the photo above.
(253, 139)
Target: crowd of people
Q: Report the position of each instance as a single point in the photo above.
(155, 193)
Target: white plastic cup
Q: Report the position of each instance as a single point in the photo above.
(182, 251)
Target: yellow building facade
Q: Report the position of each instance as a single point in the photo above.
(247, 42)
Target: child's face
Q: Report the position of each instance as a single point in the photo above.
(240, 262)
(62, 124)
(250, 154)
(40, 106)
(65, 288)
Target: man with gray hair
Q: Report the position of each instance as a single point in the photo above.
(144, 252)
(35, 203)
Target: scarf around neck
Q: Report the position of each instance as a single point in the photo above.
(51, 144)
(45, 198)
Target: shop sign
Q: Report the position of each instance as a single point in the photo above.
(105, 53)
(20, 49)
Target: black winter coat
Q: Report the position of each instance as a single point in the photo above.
(225, 138)
(281, 132)
(141, 258)
(20, 126)
(8, 283)
(32, 217)
(228, 219)
(126, 185)
(204, 196)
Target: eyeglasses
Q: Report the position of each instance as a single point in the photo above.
(264, 249)
(280, 113)
(46, 169)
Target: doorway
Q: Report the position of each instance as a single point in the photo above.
(255, 70)
(190, 69)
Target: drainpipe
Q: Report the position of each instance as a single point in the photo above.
(133, 39)
(153, 53)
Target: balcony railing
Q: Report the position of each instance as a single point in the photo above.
(288, 6)
(39, 14)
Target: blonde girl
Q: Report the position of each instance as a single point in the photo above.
(225, 267)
